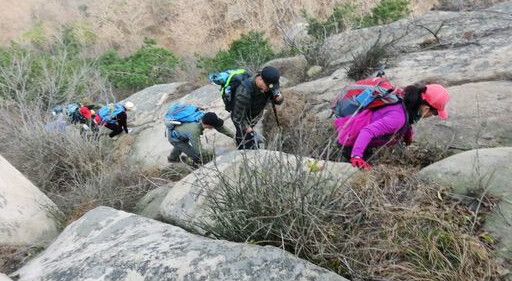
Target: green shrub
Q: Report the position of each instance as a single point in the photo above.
(37, 35)
(387, 11)
(250, 51)
(341, 18)
(148, 66)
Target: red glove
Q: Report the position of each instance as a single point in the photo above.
(360, 163)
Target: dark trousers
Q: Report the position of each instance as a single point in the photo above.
(185, 147)
(244, 140)
(347, 151)
(116, 129)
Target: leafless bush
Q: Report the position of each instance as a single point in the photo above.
(78, 173)
(366, 62)
(381, 225)
(46, 80)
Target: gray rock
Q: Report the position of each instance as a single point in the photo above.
(485, 169)
(106, 244)
(314, 70)
(479, 115)
(149, 205)
(459, 28)
(4, 277)
(184, 205)
(485, 56)
(151, 147)
(293, 68)
(148, 102)
(27, 216)
(323, 90)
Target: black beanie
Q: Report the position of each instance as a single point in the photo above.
(210, 118)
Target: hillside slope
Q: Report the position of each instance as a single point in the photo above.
(185, 26)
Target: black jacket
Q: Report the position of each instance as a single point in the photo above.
(121, 121)
(249, 105)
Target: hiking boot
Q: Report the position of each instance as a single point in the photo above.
(187, 160)
(172, 160)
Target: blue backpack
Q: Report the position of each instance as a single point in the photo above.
(178, 113)
(229, 80)
(108, 113)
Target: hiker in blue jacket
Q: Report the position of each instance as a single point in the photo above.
(185, 138)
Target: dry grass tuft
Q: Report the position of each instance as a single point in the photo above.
(13, 257)
(381, 225)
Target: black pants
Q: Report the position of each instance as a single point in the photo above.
(244, 140)
(347, 151)
(116, 129)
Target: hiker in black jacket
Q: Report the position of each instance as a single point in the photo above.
(250, 99)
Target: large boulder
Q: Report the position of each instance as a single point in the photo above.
(484, 169)
(151, 146)
(4, 277)
(184, 206)
(292, 68)
(474, 47)
(27, 216)
(106, 244)
(479, 116)
(149, 205)
(415, 33)
(149, 101)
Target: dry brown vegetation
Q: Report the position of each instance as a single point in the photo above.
(13, 257)
(381, 225)
(186, 27)
(77, 172)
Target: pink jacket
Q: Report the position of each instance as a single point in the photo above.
(373, 128)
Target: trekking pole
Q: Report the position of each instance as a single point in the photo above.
(380, 71)
(275, 113)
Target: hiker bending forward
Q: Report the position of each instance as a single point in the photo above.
(114, 117)
(251, 97)
(186, 137)
(387, 125)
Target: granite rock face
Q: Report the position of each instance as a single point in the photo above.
(106, 244)
(478, 170)
(27, 216)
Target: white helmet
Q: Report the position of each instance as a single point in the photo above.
(129, 105)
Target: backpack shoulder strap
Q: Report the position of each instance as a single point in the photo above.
(231, 75)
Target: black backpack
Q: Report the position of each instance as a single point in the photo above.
(229, 81)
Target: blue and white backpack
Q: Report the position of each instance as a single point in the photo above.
(179, 113)
(108, 113)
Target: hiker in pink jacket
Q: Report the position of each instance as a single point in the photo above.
(389, 124)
